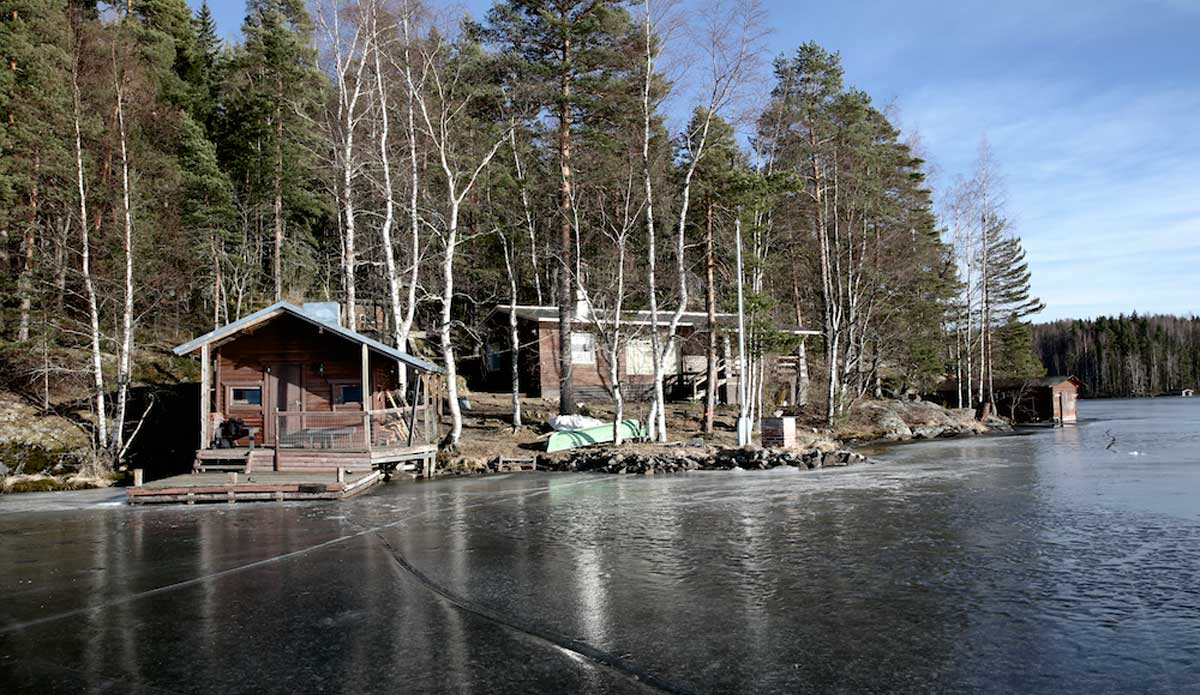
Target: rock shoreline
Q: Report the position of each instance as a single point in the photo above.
(645, 461)
(904, 421)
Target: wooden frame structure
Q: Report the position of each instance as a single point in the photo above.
(299, 420)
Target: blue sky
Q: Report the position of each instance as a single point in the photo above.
(1092, 109)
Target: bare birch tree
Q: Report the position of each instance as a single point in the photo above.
(732, 32)
(85, 253)
(444, 126)
(123, 355)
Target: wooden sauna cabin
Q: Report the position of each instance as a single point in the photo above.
(289, 389)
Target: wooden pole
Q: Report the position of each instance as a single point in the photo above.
(204, 406)
(412, 418)
(366, 394)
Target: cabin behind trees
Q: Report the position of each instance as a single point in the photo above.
(685, 365)
(288, 389)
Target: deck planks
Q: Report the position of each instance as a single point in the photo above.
(198, 488)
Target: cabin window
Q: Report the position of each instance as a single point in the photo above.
(347, 394)
(583, 348)
(245, 395)
(639, 358)
(495, 357)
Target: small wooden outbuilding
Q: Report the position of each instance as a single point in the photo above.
(1046, 399)
(309, 395)
(1049, 399)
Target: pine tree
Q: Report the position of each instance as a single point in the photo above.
(564, 53)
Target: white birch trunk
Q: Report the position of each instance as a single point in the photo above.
(414, 215)
(743, 423)
(389, 206)
(123, 359)
(514, 337)
(86, 271)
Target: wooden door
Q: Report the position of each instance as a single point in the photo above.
(286, 396)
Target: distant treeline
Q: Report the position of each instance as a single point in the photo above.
(1124, 355)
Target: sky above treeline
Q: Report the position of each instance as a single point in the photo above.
(1091, 108)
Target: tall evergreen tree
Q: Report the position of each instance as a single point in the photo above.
(566, 52)
(267, 136)
(34, 101)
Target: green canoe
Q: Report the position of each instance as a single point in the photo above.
(602, 434)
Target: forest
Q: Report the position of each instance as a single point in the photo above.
(421, 167)
(1123, 356)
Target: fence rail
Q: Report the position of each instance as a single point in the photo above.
(355, 430)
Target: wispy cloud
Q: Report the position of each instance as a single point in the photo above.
(1102, 183)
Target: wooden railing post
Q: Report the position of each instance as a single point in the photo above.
(276, 428)
(365, 386)
(205, 418)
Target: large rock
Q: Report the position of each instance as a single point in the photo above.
(896, 420)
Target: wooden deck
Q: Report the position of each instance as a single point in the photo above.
(261, 460)
(267, 486)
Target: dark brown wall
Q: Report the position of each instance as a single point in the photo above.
(288, 340)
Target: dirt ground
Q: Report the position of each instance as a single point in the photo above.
(487, 427)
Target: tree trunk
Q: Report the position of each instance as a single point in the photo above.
(566, 294)
(514, 337)
(123, 358)
(389, 215)
(452, 438)
(743, 424)
(529, 226)
(86, 272)
(710, 305)
(28, 244)
(216, 290)
(802, 379)
(277, 268)
(413, 193)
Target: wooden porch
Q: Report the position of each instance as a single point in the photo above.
(388, 439)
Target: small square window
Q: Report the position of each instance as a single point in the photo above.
(344, 394)
(246, 395)
(583, 348)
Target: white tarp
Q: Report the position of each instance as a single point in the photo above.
(567, 423)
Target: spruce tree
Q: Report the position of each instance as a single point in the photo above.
(266, 139)
(34, 101)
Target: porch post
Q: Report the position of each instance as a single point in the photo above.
(204, 407)
(366, 394)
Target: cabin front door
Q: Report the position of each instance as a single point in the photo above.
(286, 397)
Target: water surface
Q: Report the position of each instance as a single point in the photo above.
(1047, 562)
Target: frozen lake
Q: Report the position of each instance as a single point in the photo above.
(1045, 562)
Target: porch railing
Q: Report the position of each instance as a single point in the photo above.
(349, 430)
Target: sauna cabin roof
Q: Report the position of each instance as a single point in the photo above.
(284, 308)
